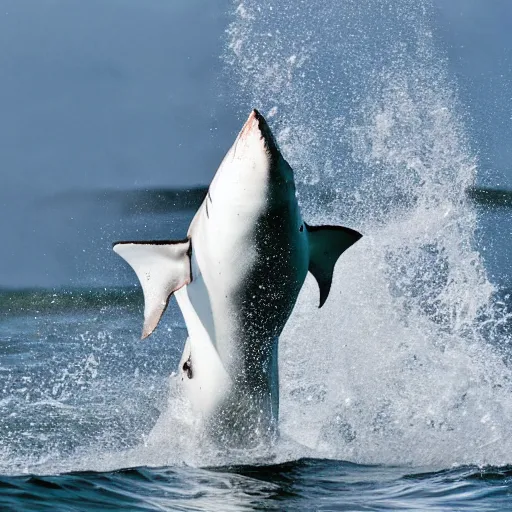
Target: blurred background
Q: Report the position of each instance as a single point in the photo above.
(104, 104)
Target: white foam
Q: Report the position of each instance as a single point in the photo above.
(394, 368)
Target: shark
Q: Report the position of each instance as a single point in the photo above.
(236, 277)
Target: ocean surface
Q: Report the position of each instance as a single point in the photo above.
(397, 394)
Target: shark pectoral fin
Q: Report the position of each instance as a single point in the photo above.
(326, 244)
(162, 268)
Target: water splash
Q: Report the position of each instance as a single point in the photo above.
(395, 368)
(404, 363)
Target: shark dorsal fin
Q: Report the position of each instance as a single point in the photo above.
(326, 244)
(162, 267)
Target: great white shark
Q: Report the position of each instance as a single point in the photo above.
(236, 277)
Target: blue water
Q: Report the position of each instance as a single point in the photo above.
(396, 394)
(81, 392)
(308, 484)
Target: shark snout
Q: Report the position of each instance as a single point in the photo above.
(256, 126)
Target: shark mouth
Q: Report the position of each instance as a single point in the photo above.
(256, 121)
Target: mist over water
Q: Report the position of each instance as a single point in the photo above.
(403, 364)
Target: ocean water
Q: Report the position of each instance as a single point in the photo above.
(396, 395)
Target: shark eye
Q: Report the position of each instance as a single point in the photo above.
(187, 367)
(301, 229)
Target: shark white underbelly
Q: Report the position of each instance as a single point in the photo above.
(236, 277)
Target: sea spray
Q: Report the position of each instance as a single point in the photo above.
(394, 368)
(405, 363)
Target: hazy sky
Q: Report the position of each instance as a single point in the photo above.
(129, 94)
(114, 93)
(109, 93)
(99, 94)
(477, 36)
